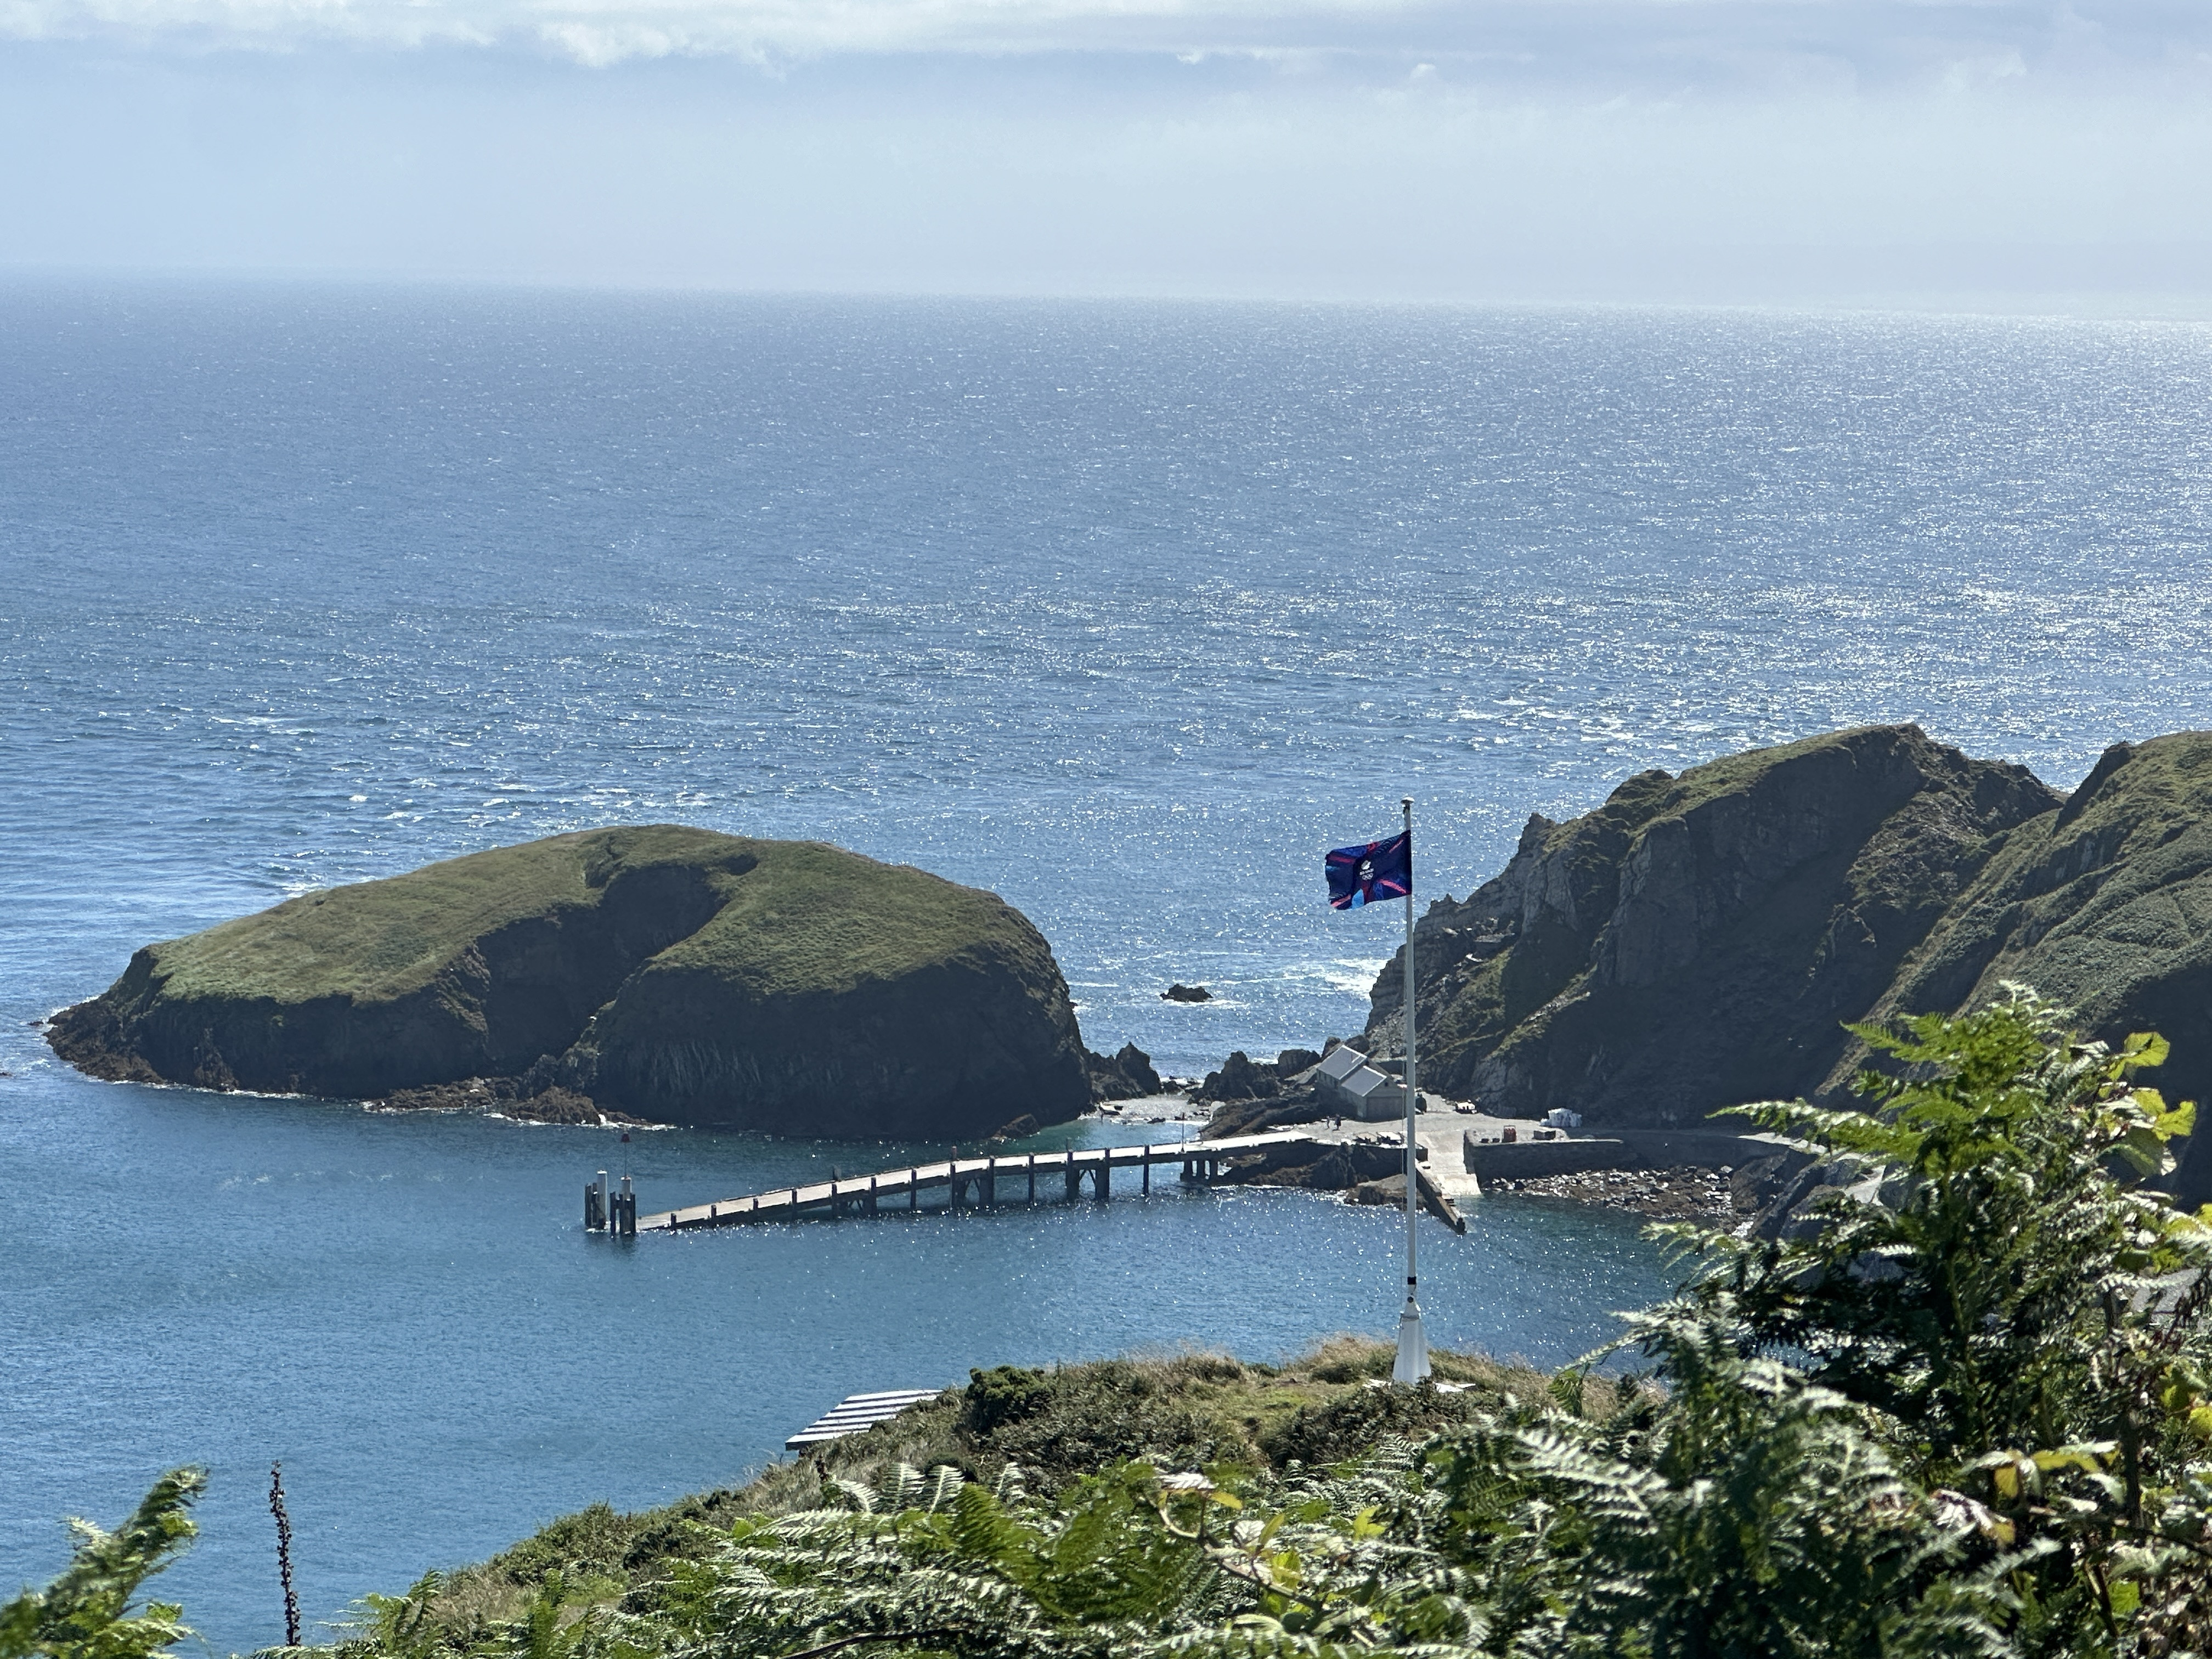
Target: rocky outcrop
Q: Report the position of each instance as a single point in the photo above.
(1127, 1075)
(1242, 1077)
(1699, 940)
(666, 973)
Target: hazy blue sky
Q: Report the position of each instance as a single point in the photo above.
(2002, 153)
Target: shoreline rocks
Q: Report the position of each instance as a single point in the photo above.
(1124, 1075)
(1686, 1192)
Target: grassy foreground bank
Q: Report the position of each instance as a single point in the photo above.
(1243, 1423)
(1963, 1407)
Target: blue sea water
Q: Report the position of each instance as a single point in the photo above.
(1124, 611)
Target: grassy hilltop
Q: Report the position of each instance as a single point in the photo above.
(379, 940)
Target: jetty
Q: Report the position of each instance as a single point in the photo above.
(966, 1182)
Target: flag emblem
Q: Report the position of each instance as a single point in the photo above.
(1380, 870)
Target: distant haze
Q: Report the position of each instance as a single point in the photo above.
(1997, 156)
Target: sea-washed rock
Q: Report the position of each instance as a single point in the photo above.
(1125, 1075)
(1182, 993)
(1239, 1079)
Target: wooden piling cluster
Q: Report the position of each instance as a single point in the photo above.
(610, 1212)
(966, 1182)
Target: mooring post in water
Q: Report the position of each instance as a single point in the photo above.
(284, 1553)
(595, 1205)
(1148, 1170)
(1032, 1177)
(628, 1204)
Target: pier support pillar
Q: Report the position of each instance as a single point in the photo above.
(1074, 1183)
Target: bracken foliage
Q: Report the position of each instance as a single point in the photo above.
(1963, 1409)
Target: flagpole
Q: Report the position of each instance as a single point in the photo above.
(1412, 1362)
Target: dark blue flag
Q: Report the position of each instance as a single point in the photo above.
(1380, 870)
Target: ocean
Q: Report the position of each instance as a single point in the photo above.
(1124, 611)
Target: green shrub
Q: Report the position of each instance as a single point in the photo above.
(1003, 1394)
(1100, 1415)
(1354, 1425)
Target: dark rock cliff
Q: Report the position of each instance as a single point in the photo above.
(1698, 941)
(668, 973)
(2104, 905)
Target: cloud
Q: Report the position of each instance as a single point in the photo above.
(1814, 151)
(1693, 45)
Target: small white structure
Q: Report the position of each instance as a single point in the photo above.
(1560, 1118)
(856, 1412)
(1346, 1081)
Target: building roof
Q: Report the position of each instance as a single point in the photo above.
(1341, 1061)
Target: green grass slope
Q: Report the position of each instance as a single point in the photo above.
(1058, 1425)
(376, 941)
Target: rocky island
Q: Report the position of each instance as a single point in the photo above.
(670, 974)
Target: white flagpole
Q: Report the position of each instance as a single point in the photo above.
(1412, 1364)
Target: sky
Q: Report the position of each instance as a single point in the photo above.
(1968, 154)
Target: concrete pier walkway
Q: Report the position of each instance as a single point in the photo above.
(970, 1182)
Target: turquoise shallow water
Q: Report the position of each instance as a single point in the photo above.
(1126, 612)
